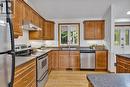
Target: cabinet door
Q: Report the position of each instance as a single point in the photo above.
(35, 35)
(63, 60)
(25, 75)
(75, 60)
(55, 60)
(27, 13)
(101, 60)
(48, 31)
(17, 18)
(49, 61)
(99, 30)
(89, 30)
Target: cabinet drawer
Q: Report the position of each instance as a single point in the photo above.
(25, 80)
(24, 72)
(24, 66)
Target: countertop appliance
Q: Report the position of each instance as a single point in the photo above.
(87, 59)
(42, 70)
(23, 50)
(7, 51)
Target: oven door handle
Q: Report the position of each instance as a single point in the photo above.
(43, 76)
(44, 56)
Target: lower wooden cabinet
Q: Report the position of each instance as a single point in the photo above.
(25, 75)
(49, 61)
(74, 60)
(101, 60)
(123, 64)
(62, 60)
(55, 60)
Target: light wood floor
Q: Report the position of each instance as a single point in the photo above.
(69, 78)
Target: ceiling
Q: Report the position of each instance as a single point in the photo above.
(65, 9)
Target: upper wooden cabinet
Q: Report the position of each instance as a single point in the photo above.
(94, 30)
(17, 18)
(48, 31)
(101, 60)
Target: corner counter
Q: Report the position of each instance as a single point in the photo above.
(109, 80)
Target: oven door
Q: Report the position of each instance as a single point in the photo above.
(42, 65)
(42, 81)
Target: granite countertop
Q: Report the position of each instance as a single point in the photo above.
(124, 55)
(109, 80)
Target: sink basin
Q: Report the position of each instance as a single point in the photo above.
(66, 48)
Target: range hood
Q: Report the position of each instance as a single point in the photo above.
(27, 25)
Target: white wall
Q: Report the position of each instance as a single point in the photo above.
(23, 39)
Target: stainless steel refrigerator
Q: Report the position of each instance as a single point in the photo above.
(7, 53)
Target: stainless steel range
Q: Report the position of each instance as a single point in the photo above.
(42, 70)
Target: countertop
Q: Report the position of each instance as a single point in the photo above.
(22, 59)
(124, 55)
(109, 80)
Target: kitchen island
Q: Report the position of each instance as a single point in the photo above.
(109, 80)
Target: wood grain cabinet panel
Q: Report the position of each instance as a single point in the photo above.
(74, 60)
(101, 60)
(89, 30)
(25, 75)
(63, 60)
(17, 18)
(49, 62)
(123, 64)
(55, 60)
(99, 30)
(94, 30)
(48, 30)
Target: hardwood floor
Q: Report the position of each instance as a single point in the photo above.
(69, 78)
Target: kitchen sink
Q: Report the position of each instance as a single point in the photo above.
(67, 48)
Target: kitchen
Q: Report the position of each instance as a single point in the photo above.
(56, 46)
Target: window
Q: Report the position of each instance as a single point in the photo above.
(126, 37)
(117, 37)
(69, 34)
(121, 36)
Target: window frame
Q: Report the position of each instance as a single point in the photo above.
(122, 35)
(59, 34)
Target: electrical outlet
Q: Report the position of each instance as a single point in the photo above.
(115, 64)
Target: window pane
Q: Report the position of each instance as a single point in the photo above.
(64, 35)
(117, 37)
(126, 37)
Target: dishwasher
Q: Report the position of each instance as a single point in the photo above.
(87, 59)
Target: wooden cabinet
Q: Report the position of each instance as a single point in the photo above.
(94, 30)
(35, 35)
(74, 60)
(55, 60)
(123, 64)
(69, 60)
(49, 62)
(17, 18)
(25, 75)
(63, 60)
(101, 60)
(48, 30)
